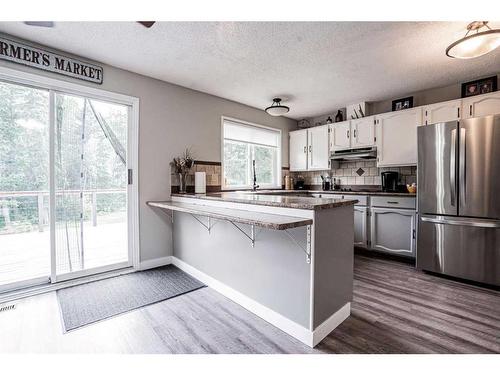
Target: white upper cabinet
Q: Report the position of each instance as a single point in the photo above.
(340, 136)
(397, 137)
(481, 105)
(298, 150)
(318, 148)
(442, 112)
(363, 132)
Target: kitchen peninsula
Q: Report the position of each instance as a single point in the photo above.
(288, 259)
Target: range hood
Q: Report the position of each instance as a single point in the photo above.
(368, 153)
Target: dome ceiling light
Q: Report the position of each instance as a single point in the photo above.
(476, 44)
(276, 109)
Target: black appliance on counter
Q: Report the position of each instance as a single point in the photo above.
(390, 181)
(299, 184)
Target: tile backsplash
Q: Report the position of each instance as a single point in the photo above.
(213, 176)
(358, 173)
(349, 173)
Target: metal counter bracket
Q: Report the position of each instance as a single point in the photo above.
(307, 248)
(252, 232)
(207, 226)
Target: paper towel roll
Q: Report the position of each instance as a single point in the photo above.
(200, 184)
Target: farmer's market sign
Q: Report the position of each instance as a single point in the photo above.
(41, 59)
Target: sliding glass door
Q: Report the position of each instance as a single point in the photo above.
(24, 185)
(64, 192)
(90, 184)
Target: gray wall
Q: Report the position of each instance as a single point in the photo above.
(274, 273)
(171, 119)
(434, 95)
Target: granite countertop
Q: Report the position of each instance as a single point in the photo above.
(260, 219)
(275, 199)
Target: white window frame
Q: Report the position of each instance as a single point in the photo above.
(277, 184)
(19, 77)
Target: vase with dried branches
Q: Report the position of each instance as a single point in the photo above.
(182, 165)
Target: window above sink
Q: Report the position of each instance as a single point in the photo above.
(243, 142)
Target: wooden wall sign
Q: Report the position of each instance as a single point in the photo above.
(41, 59)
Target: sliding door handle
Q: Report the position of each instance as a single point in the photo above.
(130, 177)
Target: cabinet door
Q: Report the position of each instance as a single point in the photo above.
(298, 150)
(481, 105)
(340, 136)
(360, 221)
(397, 137)
(442, 112)
(318, 149)
(393, 231)
(363, 132)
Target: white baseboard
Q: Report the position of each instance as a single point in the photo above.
(301, 333)
(330, 324)
(153, 263)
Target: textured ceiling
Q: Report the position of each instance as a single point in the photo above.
(315, 66)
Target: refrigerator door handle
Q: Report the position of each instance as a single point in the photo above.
(453, 182)
(461, 166)
(469, 222)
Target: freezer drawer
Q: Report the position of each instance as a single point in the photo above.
(462, 247)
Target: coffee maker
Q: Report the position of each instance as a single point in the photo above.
(390, 181)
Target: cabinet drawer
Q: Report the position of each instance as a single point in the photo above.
(362, 199)
(393, 201)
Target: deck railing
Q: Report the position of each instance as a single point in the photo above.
(40, 195)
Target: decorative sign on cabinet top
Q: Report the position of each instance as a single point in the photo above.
(41, 59)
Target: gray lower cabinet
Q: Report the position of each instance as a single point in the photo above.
(393, 230)
(360, 226)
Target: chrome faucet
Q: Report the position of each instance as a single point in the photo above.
(255, 186)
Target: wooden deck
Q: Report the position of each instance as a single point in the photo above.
(25, 256)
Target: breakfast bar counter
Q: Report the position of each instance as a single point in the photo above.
(288, 259)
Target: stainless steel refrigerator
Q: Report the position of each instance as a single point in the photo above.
(459, 199)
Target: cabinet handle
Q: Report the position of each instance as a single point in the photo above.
(392, 202)
(354, 133)
(458, 112)
(310, 148)
(470, 109)
(348, 134)
(305, 149)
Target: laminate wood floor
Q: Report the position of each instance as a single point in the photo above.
(396, 309)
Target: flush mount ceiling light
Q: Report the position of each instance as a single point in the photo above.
(477, 44)
(276, 109)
